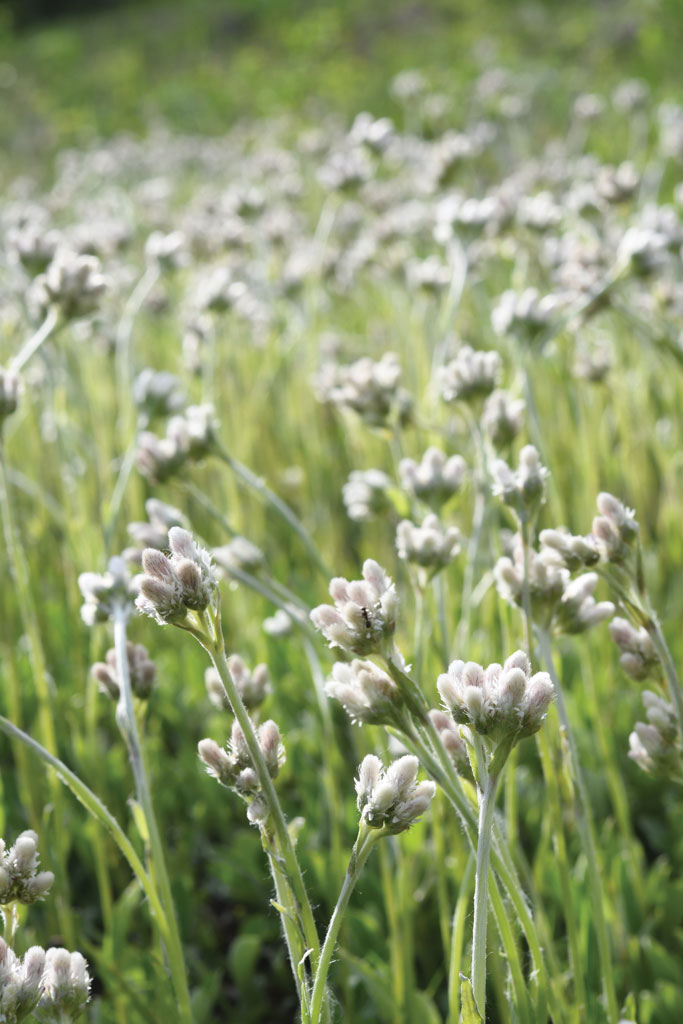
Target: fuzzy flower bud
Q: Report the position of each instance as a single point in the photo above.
(369, 388)
(73, 282)
(103, 593)
(470, 376)
(502, 418)
(638, 658)
(171, 587)
(19, 876)
(430, 546)
(615, 529)
(578, 610)
(499, 702)
(449, 732)
(66, 988)
(574, 552)
(140, 666)
(655, 745)
(363, 618)
(434, 479)
(157, 393)
(391, 799)
(365, 494)
(523, 489)
(253, 684)
(368, 695)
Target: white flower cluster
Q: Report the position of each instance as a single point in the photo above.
(557, 601)
(189, 436)
(522, 489)
(615, 529)
(154, 533)
(369, 388)
(430, 546)
(104, 592)
(502, 418)
(392, 799)
(239, 553)
(73, 282)
(500, 701)
(365, 494)
(170, 587)
(368, 695)
(253, 685)
(638, 656)
(434, 479)
(233, 768)
(470, 376)
(54, 987)
(157, 393)
(20, 879)
(655, 744)
(363, 618)
(140, 666)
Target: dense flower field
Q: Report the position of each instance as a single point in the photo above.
(340, 462)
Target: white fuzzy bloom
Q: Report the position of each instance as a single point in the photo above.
(363, 618)
(73, 282)
(638, 656)
(435, 478)
(499, 701)
(502, 418)
(65, 987)
(170, 587)
(365, 494)
(522, 489)
(369, 388)
(430, 546)
(368, 695)
(392, 799)
(524, 312)
(471, 375)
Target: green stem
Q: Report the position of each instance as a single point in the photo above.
(10, 922)
(127, 723)
(359, 855)
(216, 651)
(31, 346)
(458, 940)
(487, 804)
(587, 835)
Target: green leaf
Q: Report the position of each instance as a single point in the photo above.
(469, 1014)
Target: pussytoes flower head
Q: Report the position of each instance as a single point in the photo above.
(20, 878)
(615, 529)
(434, 479)
(104, 593)
(363, 619)
(65, 987)
(140, 666)
(638, 657)
(500, 701)
(391, 798)
(470, 376)
(170, 587)
(367, 694)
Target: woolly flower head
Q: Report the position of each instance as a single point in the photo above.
(363, 618)
(430, 546)
(103, 593)
(232, 767)
(65, 987)
(500, 701)
(20, 878)
(140, 666)
(20, 982)
(638, 656)
(435, 478)
(365, 494)
(522, 489)
(172, 587)
(391, 798)
(370, 388)
(471, 375)
(654, 745)
(367, 694)
(615, 529)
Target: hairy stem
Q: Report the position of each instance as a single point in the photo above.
(487, 803)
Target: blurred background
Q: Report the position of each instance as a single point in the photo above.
(73, 69)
